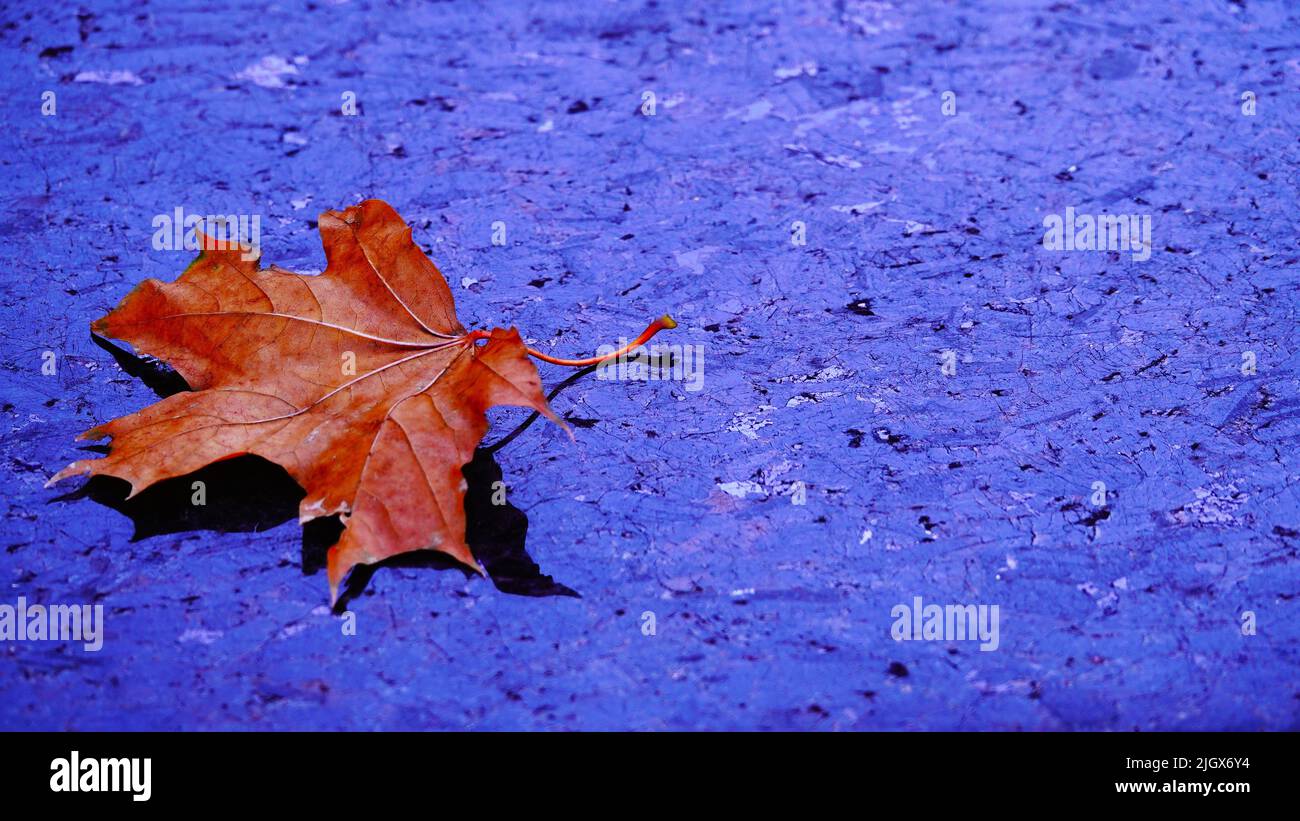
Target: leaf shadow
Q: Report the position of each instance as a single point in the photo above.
(495, 533)
(248, 494)
(156, 375)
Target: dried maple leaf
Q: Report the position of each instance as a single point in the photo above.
(360, 382)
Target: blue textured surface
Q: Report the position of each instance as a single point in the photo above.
(822, 361)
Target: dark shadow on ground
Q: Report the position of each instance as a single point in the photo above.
(156, 375)
(496, 534)
(242, 495)
(248, 494)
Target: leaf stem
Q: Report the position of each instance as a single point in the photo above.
(664, 322)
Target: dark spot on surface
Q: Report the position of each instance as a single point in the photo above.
(861, 307)
(883, 435)
(1093, 518)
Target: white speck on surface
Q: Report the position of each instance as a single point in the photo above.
(808, 67)
(269, 72)
(112, 78)
(1214, 504)
(748, 424)
(801, 399)
(291, 630)
(823, 375)
(742, 489)
(841, 160)
(196, 635)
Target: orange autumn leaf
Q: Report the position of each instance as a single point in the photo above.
(360, 382)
